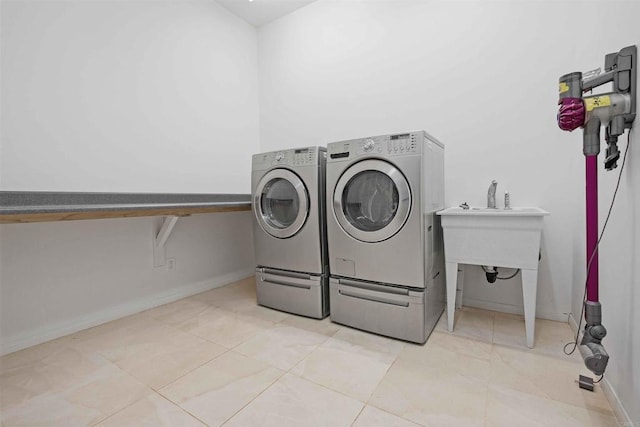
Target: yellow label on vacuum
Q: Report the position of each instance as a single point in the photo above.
(597, 102)
(564, 87)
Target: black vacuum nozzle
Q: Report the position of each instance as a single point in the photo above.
(613, 154)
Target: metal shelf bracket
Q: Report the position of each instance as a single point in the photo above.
(159, 240)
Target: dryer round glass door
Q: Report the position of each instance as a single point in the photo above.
(281, 203)
(372, 200)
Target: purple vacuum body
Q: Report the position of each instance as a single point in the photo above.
(617, 111)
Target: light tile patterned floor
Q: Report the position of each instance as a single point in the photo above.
(217, 358)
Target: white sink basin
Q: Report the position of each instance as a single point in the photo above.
(494, 212)
(494, 237)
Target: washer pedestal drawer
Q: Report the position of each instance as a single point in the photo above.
(293, 292)
(385, 310)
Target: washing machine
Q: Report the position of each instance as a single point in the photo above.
(386, 252)
(289, 230)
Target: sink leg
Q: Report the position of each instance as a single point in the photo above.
(452, 278)
(529, 290)
(459, 289)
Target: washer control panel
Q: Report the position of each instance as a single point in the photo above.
(402, 144)
(386, 145)
(293, 157)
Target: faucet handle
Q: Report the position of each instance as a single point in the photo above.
(507, 200)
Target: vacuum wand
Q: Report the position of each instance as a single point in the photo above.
(617, 110)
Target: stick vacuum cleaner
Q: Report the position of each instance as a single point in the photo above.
(616, 110)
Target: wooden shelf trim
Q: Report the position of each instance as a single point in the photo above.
(133, 212)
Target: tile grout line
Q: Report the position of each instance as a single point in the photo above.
(190, 371)
(386, 411)
(227, 351)
(124, 407)
(486, 395)
(236, 315)
(107, 361)
(284, 372)
(179, 407)
(385, 374)
(473, 339)
(493, 328)
(297, 376)
(330, 389)
(258, 395)
(369, 403)
(99, 353)
(221, 345)
(223, 309)
(358, 416)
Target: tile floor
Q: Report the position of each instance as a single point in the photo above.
(217, 358)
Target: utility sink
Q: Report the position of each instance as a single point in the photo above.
(495, 212)
(494, 237)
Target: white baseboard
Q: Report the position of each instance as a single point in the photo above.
(621, 414)
(573, 323)
(60, 329)
(513, 309)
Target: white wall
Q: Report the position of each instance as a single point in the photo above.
(619, 280)
(127, 96)
(58, 278)
(479, 76)
(619, 252)
(482, 77)
(121, 96)
(139, 96)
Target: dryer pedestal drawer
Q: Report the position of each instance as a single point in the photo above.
(293, 292)
(385, 310)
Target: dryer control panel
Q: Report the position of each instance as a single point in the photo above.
(293, 157)
(384, 145)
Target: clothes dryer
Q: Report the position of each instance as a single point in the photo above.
(289, 230)
(384, 237)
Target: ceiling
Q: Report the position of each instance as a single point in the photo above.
(260, 12)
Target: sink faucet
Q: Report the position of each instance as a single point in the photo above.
(491, 195)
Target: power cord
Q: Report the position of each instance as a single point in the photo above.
(593, 254)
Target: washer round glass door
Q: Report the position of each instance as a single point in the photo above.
(372, 200)
(281, 203)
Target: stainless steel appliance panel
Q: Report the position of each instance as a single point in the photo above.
(391, 254)
(296, 293)
(385, 310)
(385, 243)
(288, 204)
